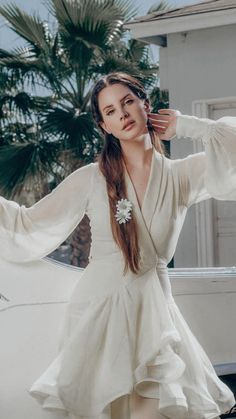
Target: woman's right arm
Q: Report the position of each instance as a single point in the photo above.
(28, 234)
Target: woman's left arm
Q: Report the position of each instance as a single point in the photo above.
(219, 139)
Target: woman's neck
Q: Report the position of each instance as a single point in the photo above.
(137, 154)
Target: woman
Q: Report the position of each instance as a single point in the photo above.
(126, 351)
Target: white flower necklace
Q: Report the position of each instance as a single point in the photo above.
(124, 208)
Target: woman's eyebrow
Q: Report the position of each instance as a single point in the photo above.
(109, 106)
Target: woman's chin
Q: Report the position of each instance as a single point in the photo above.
(136, 134)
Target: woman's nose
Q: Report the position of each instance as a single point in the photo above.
(123, 114)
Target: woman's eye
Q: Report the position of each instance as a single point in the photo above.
(127, 102)
(110, 112)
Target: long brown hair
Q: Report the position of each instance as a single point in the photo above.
(111, 165)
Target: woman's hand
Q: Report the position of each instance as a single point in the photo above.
(164, 123)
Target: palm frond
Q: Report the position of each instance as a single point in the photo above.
(137, 51)
(128, 8)
(29, 27)
(87, 27)
(159, 99)
(113, 63)
(73, 127)
(143, 70)
(20, 102)
(20, 162)
(50, 69)
(7, 80)
(21, 61)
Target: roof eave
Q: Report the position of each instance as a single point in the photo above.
(158, 29)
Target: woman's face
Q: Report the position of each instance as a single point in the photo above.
(124, 114)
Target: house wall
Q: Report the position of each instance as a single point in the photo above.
(206, 70)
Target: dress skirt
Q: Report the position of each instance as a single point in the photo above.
(125, 407)
(129, 339)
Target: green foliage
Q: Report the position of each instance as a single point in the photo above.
(159, 99)
(45, 86)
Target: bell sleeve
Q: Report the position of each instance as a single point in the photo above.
(211, 173)
(28, 234)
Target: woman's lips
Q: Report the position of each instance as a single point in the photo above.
(130, 126)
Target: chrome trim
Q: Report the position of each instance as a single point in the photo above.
(62, 264)
(173, 272)
(225, 369)
(203, 272)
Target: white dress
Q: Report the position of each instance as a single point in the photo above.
(126, 333)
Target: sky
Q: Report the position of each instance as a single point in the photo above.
(8, 39)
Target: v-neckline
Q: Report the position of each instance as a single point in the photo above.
(141, 207)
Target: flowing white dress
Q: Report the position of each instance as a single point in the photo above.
(126, 333)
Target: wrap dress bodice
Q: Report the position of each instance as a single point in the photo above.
(125, 332)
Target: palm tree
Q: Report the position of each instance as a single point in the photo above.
(45, 86)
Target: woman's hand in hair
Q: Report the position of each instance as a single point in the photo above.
(164, 123)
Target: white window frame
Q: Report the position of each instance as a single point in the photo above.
(204, 211)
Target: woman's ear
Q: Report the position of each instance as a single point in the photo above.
(147, 106)
(104, 127)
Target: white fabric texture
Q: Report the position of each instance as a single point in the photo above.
(125, 333)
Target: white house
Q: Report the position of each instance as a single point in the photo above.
(198, 67)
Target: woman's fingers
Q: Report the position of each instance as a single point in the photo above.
(157, 126)
(157, 115)
(168, 111)
(164, 122)
(165, 113)
(156, 119)
(160, 120)
(161, 125)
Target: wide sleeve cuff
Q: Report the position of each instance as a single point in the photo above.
(28, 234)
(219, 138)
(193, 127)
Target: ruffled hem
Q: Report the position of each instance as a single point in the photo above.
(132, 340)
